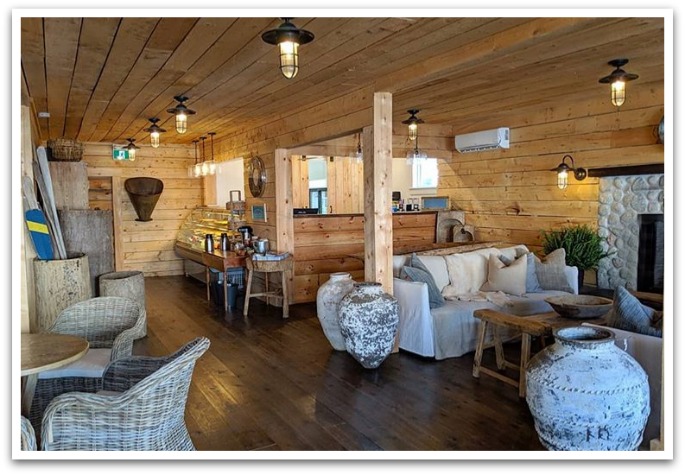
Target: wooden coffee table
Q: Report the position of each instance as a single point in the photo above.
(539, 325)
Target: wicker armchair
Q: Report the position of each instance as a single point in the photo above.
(110, 324)
(28, 436)
(141, 407)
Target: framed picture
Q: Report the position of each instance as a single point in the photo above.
(259, 212)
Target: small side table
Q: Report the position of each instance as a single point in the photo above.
(283, 266)
(540, 325)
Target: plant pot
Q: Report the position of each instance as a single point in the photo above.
(328, 299)
(585, 393)
(368, 323)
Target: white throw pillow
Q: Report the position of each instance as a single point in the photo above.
(509, 279)
(438, 268)
(398, 262)
(91, 365)
(467, 273)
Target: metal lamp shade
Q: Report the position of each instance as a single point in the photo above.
(144, 193)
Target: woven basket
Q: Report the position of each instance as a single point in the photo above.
(66, 150)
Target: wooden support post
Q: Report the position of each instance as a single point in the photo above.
(285, 237)
(117, 197)
(378, 193)
(27, 253)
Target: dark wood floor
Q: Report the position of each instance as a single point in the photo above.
(272, 384)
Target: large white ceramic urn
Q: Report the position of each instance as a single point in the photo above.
(585, 393)
(328, 299)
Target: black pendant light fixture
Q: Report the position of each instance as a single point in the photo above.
(154, 131)
(181, 112)
(131, 148)
(562, 172)
(288, 38)
(413, 124)
(618, 79)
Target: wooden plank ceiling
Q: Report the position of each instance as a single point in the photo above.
(100, 79)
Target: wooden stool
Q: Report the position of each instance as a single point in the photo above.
(528, 326)
(268, 267)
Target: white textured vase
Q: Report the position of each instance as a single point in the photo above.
(585, 393)
(368, 322)
(328, 299)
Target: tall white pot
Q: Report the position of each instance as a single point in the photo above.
(585, 393)
(368, 322)
(328, 299)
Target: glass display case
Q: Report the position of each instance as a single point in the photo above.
(203, 221)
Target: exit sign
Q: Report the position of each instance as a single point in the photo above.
(120, 153)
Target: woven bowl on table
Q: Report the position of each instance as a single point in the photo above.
(581, 307)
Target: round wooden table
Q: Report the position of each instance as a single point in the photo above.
(42, 352)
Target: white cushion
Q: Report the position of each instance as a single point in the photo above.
(398, 262)
(509, 279)
(438, 269)
(91, 365)
(467, 273)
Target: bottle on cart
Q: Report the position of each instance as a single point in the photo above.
(224, 242)
(209, 243)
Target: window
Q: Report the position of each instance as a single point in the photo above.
(424, 173)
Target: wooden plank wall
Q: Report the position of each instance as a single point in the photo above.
(511, 195)
(146, 246)
(327, 244)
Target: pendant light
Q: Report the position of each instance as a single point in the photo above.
(618, 79)
(358, 155)
(288, 38)
(413, 124)
(562, 172)
(211, 168)
(195, 169)
(131, 148)
(154, 130)
(181, 112)
(204, 167)
(416, 156)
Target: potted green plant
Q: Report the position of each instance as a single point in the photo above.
(583, 246)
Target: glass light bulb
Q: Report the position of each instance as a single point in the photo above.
(413, 131)
(288, 58)
(197, 170)
(205, 168)
(181, 123)
(211, 168)
(191, 171)
(132, 154)
(154, 139)
(562, 179)
(618, 93)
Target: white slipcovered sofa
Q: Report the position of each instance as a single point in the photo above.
(451, 329)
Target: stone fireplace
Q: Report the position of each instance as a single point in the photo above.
(631, 220)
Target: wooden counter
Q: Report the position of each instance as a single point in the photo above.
(324, 244)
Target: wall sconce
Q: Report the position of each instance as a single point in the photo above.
(154, 130)
(413, 123)
(181, 112)
(562, 172)
(288, 38)
(618, 79)
(131, 147)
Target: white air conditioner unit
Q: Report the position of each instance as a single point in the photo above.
(484, 140)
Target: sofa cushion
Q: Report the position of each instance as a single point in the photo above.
(510, 279)
(416, 274)
(437, 267)
(551, 271)
(398, 262)
(532, 282)
(628, 313)
(467, 273)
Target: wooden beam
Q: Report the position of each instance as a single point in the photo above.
(117, 205)
(651, 169)
(378, 193)
(285, 237)
(27, 253)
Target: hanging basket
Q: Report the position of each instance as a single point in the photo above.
(65, 150)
